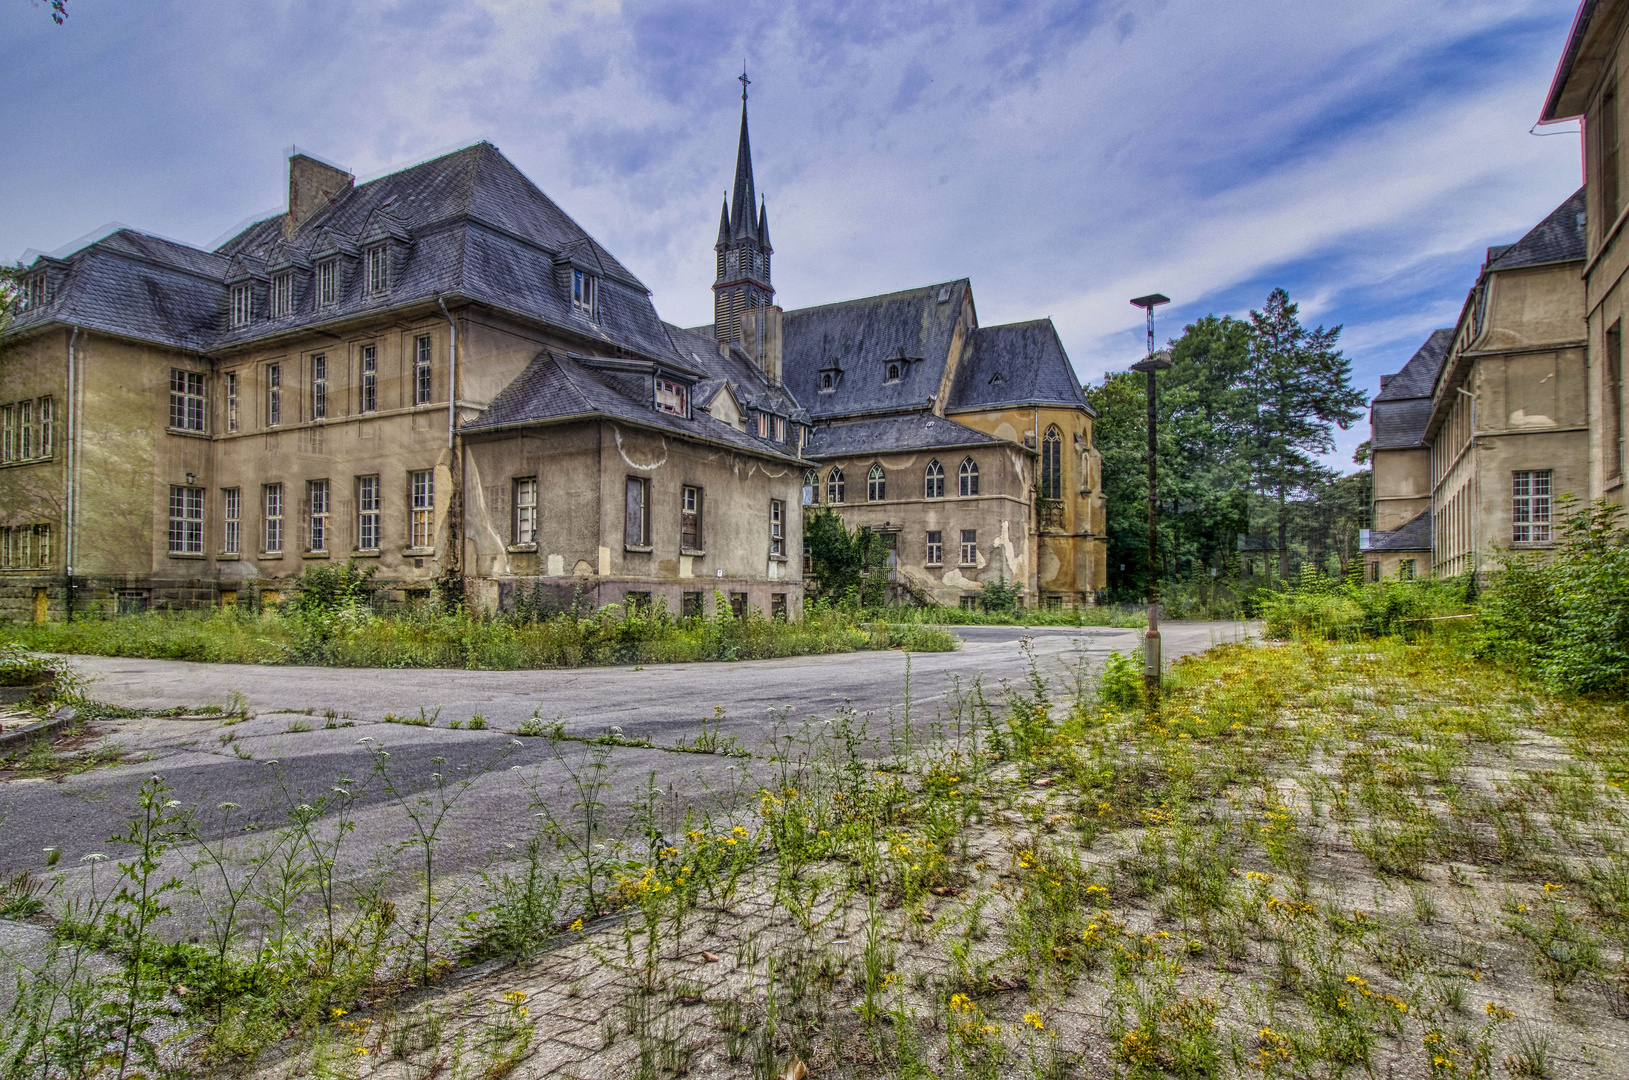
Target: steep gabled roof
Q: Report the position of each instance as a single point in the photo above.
(1398, 415)
(1419, 375)
(750, 385)
(1558, 238)
(860, 336)
(1013, 365)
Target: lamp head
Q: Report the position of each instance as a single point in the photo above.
(1151, 301)
(1153, 362)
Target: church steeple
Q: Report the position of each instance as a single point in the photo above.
(743, 249)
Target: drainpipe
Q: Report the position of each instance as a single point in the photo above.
(455, 504)
(68, 502)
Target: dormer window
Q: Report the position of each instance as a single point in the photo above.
(328, 283)
(763, 425)
(830, 377)
(378, 270)
(282, 294)
(584, 287)
(825, 380)
(671, 397)
(780, 429)
(893, 371)
(243, 305)
(35, 293)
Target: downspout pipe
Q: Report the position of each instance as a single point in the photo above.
(69, 508)
(452, 371)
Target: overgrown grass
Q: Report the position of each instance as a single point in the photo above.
(354, 637)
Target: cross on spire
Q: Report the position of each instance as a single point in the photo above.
(743, 80)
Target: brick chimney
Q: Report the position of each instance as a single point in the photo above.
(311, 184)
(761, 338)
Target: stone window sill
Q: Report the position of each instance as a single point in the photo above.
(273, 556)
(187, 432)
(695, 553)
(522, 549)
(419, 553)
(364, 553)
(199, 556)
(777, 558)
(642, 549)
(313, 554)
(228, 556)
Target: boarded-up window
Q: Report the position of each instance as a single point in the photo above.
(636, 529)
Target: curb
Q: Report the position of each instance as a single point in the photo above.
(59, 721)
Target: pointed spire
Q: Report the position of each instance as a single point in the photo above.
(763, 225)
(742, 222)
(724, 224)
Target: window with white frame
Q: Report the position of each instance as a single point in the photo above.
(282, 294)
(367, 513)
(834, 486)
(271, 539)
(690, 536)
(1530, 506)
(319, 387)
(231, 401)
(763, 425)
(25, 429)
(584, 287)
(777, 529)
(243, 304)
(933, 486)
(42, 547)
(526, 510)
(370, 378)
(316, 501)
(876, 484)
(422, 522)
(186, 400)
(186, 520)
(328, 283)
(636, 522)
(670, 397)
(970, 547)
(811, 487)
(35, 293)
(231, 521)
(935, 554)
(47, 415)
(421, 370)
(968, 478)
(780, 429)
(274, 394)
(8, 433)
(378, 270)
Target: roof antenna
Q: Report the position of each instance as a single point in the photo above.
(743, 80)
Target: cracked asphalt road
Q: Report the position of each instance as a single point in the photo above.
(267, 763)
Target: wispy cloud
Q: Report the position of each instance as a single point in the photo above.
(1064, 155)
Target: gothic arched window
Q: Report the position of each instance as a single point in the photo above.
(876, 484)
(969, 478)
(934, 485)
(811, 488)
(1052, 464)
(834, 486)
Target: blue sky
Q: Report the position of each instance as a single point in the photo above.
(1065, 156)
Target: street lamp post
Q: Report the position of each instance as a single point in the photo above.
(1151, 642)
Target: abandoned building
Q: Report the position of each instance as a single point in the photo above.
(439, 373)
(1487, 425)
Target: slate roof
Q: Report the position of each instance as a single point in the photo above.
(1016, 364)
(892, 434)
(556, 387)
(1414, 536)
(1558, 238)
(1400, 412)
(860, 337)
(475, 227)
(751, 386)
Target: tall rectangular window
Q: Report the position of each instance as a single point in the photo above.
(422, 524)
(970, 547)
(47, 427)
(526, 510)
(231, 521)
(763, 425)
(319, 387)
(272, 538)
(8, 433)
(274, 394)
(231, 401)
(636, 525)
(25, 429)
(186, 520)
(186, 400)
(42, 547)
(316, 499)
(421, 370)
(282, 294)
(378, 270)
(367, 513)
(328, 283)
(583, 289)
(370, 378)
(1530, 506)
(1612, 404)
(780, 429)
(936, 547)
(777, 528)
(690, 538)
(1608, 127)
(243, 305)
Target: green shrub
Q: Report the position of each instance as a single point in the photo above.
(1318, 608)
(1122, 683)
(1564, 616)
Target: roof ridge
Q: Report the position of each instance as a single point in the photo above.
(882, 296)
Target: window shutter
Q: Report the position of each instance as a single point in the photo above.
(634, 531)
